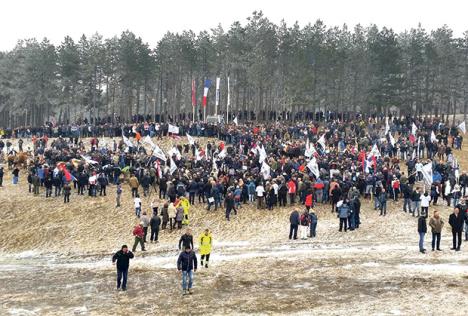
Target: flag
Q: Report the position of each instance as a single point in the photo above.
(387, 127)
(392, 140)
(158, 153)
(310, 149)
(235, 121)
(88, 160)
(462, 127)
(147, 140)
(191, 140)
(127, 141)
(222, 154)
(427, 173)
(321, 141)
(265, 171)
(218, 81)
(262, 153)
(199, 154)
(137, 136)
(194, 97)
(433, 137)
(173, 166)
(414, 129)
(419, 144)
(374, 152)
(205, 91)
(173, 129)
(313, 167)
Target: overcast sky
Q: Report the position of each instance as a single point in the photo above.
(54, 19)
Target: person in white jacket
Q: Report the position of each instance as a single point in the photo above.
(425, 201)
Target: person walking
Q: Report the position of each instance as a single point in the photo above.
(456, 222)
(165, 215)
(155, 222)
(187, 265)
(186, 240)
(138, 233)
(383, 202)
(425, 201)
(436, 223)
(122, 261)
(134, 184)
(145, 221)
(205, 242)
(422, 230)
(118, 194)
(137, 204)
(294, 220)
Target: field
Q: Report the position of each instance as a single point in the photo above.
(55, 260)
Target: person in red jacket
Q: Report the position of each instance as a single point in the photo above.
(138, 232)
(292, 191)
(308, 201)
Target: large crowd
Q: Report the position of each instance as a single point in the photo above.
(331, 160)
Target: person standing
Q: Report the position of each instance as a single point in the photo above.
(138, 233)
(456, 222)
(137, 204)
(425, 201)
(383, 202)
(436, 223)
(187, 264)
(165, 215)
(205, 241)
(343, 213)
(1, 176)
(15, 175)
(313, 223)
(134, 184)
(66, 192)
(304, 221)
(294, 219)
(118, 194)
(230, 206)
(260, 194)
(155, 222)
(422, 230)
(122, 260)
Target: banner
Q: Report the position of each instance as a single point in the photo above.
(462, 127)
(191, 140)
(173, 129)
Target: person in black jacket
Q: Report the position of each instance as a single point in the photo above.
(186, 240)
(187, 264)
(456, 222)
(122, 257)
(230, 205)
(294, 224)
(422, 230)
(155, 222)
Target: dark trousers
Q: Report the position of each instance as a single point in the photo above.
(435, 240)
(154, 234)
(343, 223)
(282, 199)
(134, 192)
(313, 229)
(456, 235)
(293, 231)
(103, 190)
(66, 198)
(138, 240)
(206, 258)
(145, 231)
(122, 278)
(192, 198)
(162, 194)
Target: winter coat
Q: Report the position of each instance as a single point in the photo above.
(187, 261)
(133, 182)
(422, 226)
(138, 231)
(294, 218)
(123, 259)
(343, 211)
(456, 222)
(205, 242)
(186, 241)
(155, 222)
(436, 224)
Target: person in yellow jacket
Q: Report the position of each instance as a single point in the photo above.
(184, 202)
(205, 241)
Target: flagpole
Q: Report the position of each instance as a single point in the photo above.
(228, 102)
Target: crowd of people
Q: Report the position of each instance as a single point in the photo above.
(335, 160)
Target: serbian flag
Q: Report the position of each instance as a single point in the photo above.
(205, 91)
(61, 166)
(194, 99)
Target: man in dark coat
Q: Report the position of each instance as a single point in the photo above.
(187, 264)
(422, 230)
(122, 260)
(456, 220)
(294, 224)
(186, 240)
(155, 222)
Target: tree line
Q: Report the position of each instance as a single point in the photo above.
(271, 68)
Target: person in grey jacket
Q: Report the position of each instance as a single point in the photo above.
(313, 223)
(343, 210)
(294, 224)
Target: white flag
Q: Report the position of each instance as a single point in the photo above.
(235, 121)
(392, 140)
(191, 140)
(462, 127)
(310, 149)
(387, 127)
(313, 166)
(218, 80)
(173, 166)
(265, 170)
(173, 129)
(89, 160)
(228, 94)
(433, 137)
(262, 154)
(223, 153)
(414, 129)
(322, 143)
(127, 141)
(158, 153)
(199, 154)
(374, 152)
(427, 173)
(149, 141)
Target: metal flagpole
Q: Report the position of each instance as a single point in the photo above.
(228, 102)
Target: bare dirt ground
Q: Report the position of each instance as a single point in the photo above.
(55, 260)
